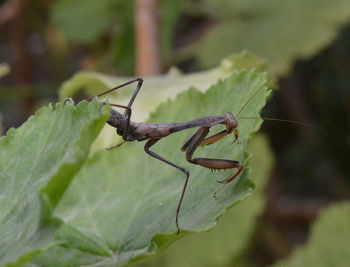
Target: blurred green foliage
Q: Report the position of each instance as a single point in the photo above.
(278, 30)
(315, 164)
(86, 21)
(328, 244)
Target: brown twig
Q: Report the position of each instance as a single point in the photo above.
(147, 37)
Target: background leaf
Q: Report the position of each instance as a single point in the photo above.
(37, 163)
(124, 201)
(328, 243)
(96, 15)
(278, 30)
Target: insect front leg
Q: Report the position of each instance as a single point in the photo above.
(231, 124)
(215, 164)
(150, 143)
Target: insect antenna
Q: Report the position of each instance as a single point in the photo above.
(288, 121)
(275, 119)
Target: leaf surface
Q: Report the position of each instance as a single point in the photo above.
(229, 239)
(121, 206)
(37, 162)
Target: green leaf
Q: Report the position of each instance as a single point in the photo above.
(83, 21)
(242, 60)
(234, 231)
(278, 30)
(329, 241)
(121, 206)
(37, 162)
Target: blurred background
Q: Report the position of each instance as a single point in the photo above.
(306, 45)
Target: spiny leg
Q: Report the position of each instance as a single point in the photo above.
(210, 163)
(150, 143)
(207, 141)
(236, 133)
(212, 139)
(231, 124)
(236, 164)
(216, 137)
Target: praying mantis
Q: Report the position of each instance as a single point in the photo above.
(153, 132)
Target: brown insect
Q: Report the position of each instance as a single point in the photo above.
(153, 132)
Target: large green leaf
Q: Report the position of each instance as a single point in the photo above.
(329, 240)
(37, 163)
(121, 206)
(278, 30)
(231, 236)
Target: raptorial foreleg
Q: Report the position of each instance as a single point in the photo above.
(215, 164)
